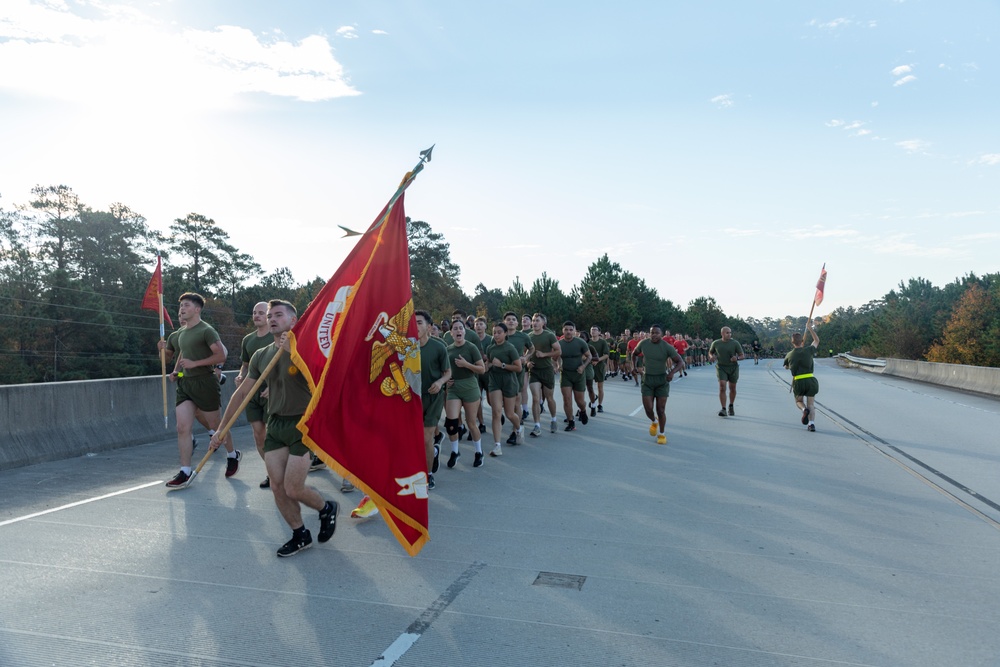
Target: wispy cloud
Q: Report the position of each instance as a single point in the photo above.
(989, 159)
(900, 244)
(379, 32)
(51, 49)
(904, 72)
(914, 145)
(823, 233)
(734, 231)
(347, 32)
(722, 101)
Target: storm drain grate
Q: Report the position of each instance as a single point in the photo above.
(559, 580)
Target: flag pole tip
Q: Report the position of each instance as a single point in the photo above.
(425, 155)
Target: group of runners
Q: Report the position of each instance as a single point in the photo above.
(514, 363)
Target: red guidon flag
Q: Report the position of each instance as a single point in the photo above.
(151, 299)
(357, 345)
(820, 286)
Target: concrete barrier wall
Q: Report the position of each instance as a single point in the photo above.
(969, 378)
(58, 420)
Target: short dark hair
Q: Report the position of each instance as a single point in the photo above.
(425, 315)
(508, 314)
(281, 302)
(542, 316)
(568, 323)
(502, 325)
(657, 326)
(458, 312)
(193, 297)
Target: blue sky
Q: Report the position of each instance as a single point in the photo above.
(726, 149)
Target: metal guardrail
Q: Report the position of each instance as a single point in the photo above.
(862, 361)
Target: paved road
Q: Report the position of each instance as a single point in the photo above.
(744, 541)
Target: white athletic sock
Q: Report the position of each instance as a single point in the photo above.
(231, 455)
(479, 446)
(454, 446)
(186, 470)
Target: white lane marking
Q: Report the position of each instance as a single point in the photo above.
(396, 649)
(635, 412)
(79, 502)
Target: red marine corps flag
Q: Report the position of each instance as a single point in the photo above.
(357, 345)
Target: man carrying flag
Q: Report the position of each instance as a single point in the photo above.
(285, 456)
(358, 348)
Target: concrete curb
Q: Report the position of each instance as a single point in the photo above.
(52, 421)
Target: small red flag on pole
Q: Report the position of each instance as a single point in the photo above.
(820, 286)
(153, 298)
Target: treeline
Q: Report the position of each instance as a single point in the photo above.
(72, 279)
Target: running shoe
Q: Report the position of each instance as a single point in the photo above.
(570, 426)
(478, 461)
(552, 426)
(345, 487)
(366, 508)
(811, 427)
(805, 416)
(180, 480)
(434, 464)
(233, 463)
(497, 450)
(537, 431)
(520, 436)
(430, 482)
(661, 439)
(295, 545)
(328, 520)
(722, 412)
(512, 440)
(266, 484)
(451, 459)
(524, 415)
(593, 410)
(731, 412)
(653, 428)
(600, 408)
(316, 463)
(583, 417)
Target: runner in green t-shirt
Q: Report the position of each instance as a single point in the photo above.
(729, 352)
(199, 350)
(656, 353)
(256, 412)
(805, 386)
(435, 371)
(522, 343)
(545, 348)
(575, 359)
(504, 364)
(463, 391)
(602, 349)
(285, 454)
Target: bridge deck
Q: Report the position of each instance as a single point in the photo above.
(744, 541)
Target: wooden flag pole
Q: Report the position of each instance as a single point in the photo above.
(224, 431)
(163, 365)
